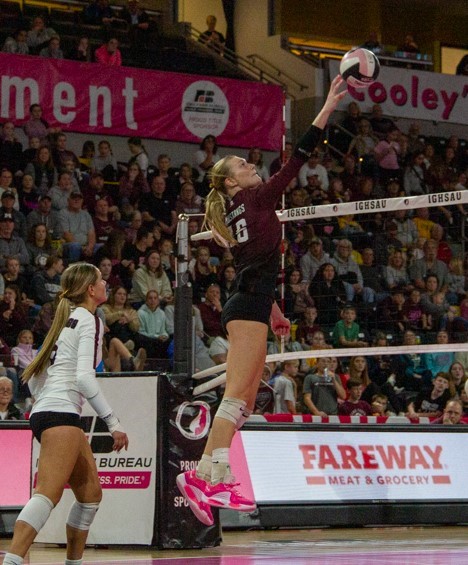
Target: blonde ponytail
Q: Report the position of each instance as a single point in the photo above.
(215, 203)
(75, 282)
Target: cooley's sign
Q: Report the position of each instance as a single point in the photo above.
(408, 93)
(337, 466)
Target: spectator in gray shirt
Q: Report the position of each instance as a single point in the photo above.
(45, 215)
(78, 230)
(349, 272)
(312, 260)
(429, 265)
(11, 245)
(60, 193)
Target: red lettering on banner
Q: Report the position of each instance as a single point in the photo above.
(414, 91)
(371, 457)
(441, 480)
(449, 102)
(377, 93)
(399, 95)
(349, 456)
(429, 99)
(368, 457)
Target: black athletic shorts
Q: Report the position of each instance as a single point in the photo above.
(247, 306)
(41, 421)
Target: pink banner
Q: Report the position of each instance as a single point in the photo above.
(89, 97)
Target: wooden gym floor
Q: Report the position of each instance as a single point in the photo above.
(429, 545)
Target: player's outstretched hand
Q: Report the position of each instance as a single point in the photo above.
(120, 441)
(336, 93)
(280, 326)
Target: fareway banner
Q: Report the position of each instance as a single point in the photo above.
(128, 101)
(408, 93)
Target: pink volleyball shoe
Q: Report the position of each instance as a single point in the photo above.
(193, 489)
(225, 495)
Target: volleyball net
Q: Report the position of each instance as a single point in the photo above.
(400, 265)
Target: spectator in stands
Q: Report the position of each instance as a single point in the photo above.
(387, 242)
(296, 295)
(39, 35)
(353, 231)
(329, 295)
(103, 220)
(78, 230)
(395, 274)
(60, 193)
(109, 53)
(321, 391)
(458, 373)
(453, 413)
(423, 224)
(42, 170)
(313, 167)
(46, 281)
(372, 43)
(407, 232)
(152, 333)
(11, 150)
(138, 25)
(139, 154)
(30, 153)
(429, 265)
(362, 146)
(157, 209)
(98, 13)
(255, 156)
(354, 405)
(27, 195)
(169, 173)
(379, 406)
(112, 279)
(313, 259)
(352, 119)
(8, 201)
(132, 186)
(8, 409)
(81, 51)
(285, 388)
(45, 215)
(13, 316)
(409, 45)
(189, 202)
(347, 332)
(151, 276)
(52, 50)
(283, 158)
(350, 176)
(349, 272)
(380, 125)
(431, 401)
(39, 246)
(6, 183)
(61, 153)
(36, 126)
(11, 245)
(202, 272)
(12, 275)
(437, 362)
(213, 38)
(16, 43)
(415, 142)
(96, 191)
(133, 254)
(210, 311)
(121, 319)
(307, 326)
(415, 176)
(456, 289)
(227, 282)
(414, 315)
(104, 162)
(386, 153)
(206, 156)
(372, 275)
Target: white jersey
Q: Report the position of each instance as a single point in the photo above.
(71, 376)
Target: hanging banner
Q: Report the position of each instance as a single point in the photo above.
(408, 93)
(90, 97)
(128, 478)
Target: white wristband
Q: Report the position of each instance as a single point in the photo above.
(112, 423)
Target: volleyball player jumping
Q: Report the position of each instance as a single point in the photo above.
(240, 211)
(61, 378)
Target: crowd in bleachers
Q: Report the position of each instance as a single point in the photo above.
(347, 281)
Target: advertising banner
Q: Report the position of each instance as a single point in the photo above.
(89, 97)
(15, 467)
(128, 479)
(408, 93)
(341, 466)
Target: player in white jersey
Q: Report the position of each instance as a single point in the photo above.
(61, 378)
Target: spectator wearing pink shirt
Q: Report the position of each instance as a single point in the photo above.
(386, 153)
(109, 53)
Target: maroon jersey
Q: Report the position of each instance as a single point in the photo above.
(252, 218)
